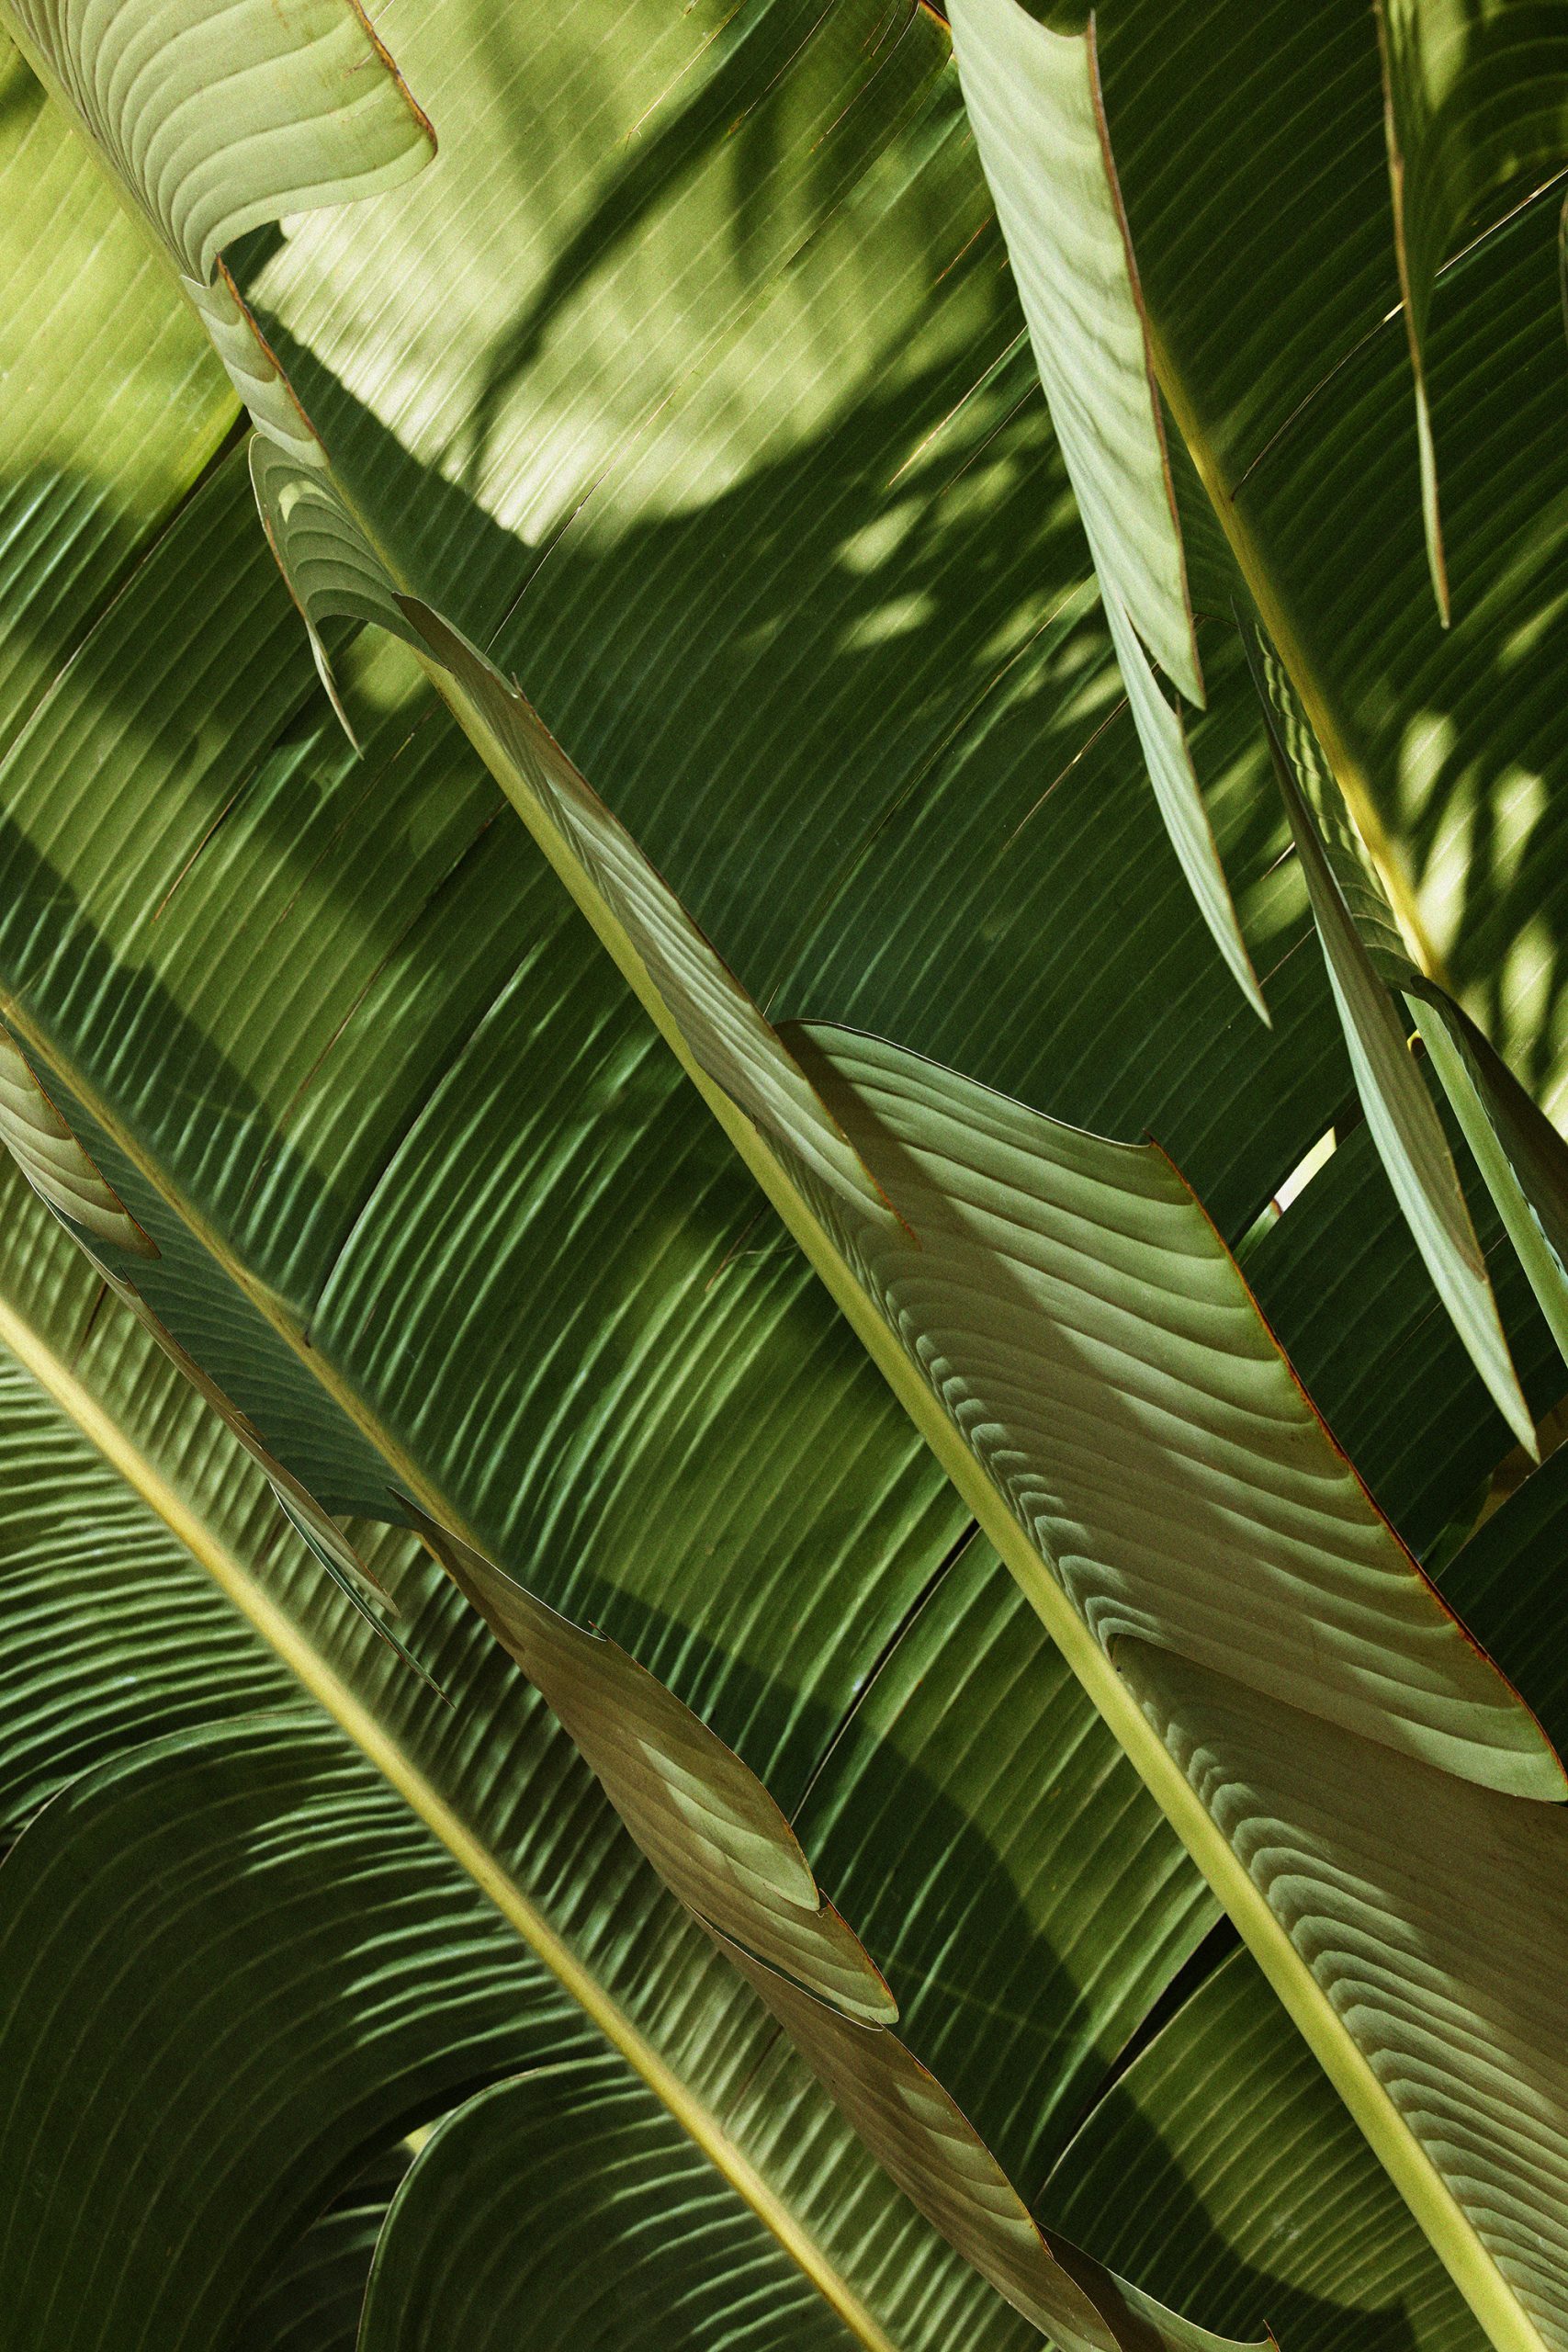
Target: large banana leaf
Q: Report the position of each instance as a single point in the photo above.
(1005, 1887)
(294, 1219)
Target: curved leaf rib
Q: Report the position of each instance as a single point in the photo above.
(1522, 1762)
(1412, 2157)
(1092, 1337)
(42, 1142)
(1377, 1623)
(405, 1772)
(715, 1837)
(295, 1971)
(628, 2239)
(720, 1845)
(82, 1620)
(217, 121)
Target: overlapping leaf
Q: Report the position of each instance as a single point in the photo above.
(1033, 97)
(333, 572)
(216, 122)
(1089, 1331)
(1520, 1154)
(1231, 2176)
(1263, 238)
(707, 1824)
(473, 2158)
(53, 1161)
(629, 2239)
(494, 1778)
(296, 1967)
(1438, 1923)
(1476, 111)
(1399, 1109)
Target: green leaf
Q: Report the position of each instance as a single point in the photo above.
(139, 1103)
(1409, 1135)
(629, 2239)
(109, 1634)
(1414, 1913)
(706, 1825)
(333, 572)
(112, 403)
(1131, 1586)
(318, 1676)
(1476, 109)
(930, 2148)
(624, 1929)
(1265, 252)
(54, 1163)
(1519, 1152)
(1034, 99)
(1311, 2239)
(312, 2300)
(296, 1967)
(974, 1726)
(951, 1147)
(1007, 1718)
(709, 1829)
(1053, 1283)
(217, 123)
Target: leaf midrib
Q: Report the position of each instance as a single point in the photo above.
(1473, 2267)
(404, 1773)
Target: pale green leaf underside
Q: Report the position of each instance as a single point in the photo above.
(705, 1823)
(219, 120)
(1089, 1334)
(1521, 1156)
(1433, 1917)
(1033, 99)
(251, 369)
(52, 1161)
(1163, 739)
